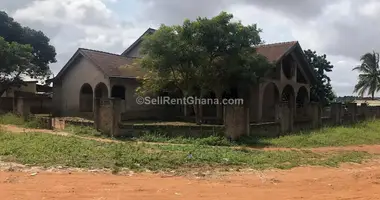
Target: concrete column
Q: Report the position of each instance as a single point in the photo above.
(236, 121)
(336, 112)
(352, 109)
(315, 114)
(280, 116)
(96, 113)
(285, 117)
(23, 108)
(116, 116)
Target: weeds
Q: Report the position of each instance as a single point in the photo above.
(13, 119)
(359, 134)
(52, 150)
(83, 130)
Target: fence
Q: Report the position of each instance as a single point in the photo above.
(34, 105)
(108, 119)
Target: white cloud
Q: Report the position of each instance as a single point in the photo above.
(343, 29)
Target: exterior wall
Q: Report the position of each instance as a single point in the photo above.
(6, 104)
(133, 111)
(255, 104)
(130, 85)
(135, 52)
(30, 87)
(57, 99)
(39, 105)
(263, 103)
(67, 91)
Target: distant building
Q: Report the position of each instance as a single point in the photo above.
(31, 88)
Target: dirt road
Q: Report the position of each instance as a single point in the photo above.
(359, 182)
(312, 183)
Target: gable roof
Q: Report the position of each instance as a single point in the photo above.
(276, 51)
(112, 65)
(149, 31)
(273, 52)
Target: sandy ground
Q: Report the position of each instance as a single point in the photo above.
(348, 182)
(312, 183)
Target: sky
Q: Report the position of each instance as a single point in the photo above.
(342, 29)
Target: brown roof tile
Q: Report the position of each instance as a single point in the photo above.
(114, 65)
(273, 52)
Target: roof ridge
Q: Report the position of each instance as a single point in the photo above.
(277, 44)
(98, 51)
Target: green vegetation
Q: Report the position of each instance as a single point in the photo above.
(83, 131)
(162, 138)
(211, 151)
(188, 60)
(13, 119)
(369, 75)
(53, 150)
(322, 90)
(359, 134)
(24, 52)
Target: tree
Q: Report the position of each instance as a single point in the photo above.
(369, 75)
(203, 55)
(42, 52)
(15, 60)
(322, 90)
(229, 59)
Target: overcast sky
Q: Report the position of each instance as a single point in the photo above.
(342, 29)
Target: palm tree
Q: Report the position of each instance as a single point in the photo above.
(369, 75)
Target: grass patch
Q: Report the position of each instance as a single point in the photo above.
(212, 140)
(13, 119)
(359, 134)
(53, 150)
(83, 131)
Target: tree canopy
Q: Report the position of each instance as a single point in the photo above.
(369, 75)
(17, 60)
(321, 91)
(29, 45)
(204, 55)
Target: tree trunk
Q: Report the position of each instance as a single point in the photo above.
(219, 107)
(197, 112)
(185, 112)
(373, 95)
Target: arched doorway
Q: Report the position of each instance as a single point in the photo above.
(287, 96)
(86, 98)
(302, 101)
(118, 91)
(101, 91)
(269, 101)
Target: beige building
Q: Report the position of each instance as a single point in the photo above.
(29, 87)
(92, 74)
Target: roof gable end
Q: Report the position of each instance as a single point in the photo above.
(137, 42)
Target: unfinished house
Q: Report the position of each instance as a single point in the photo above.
(286, 86)
(92, 74)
